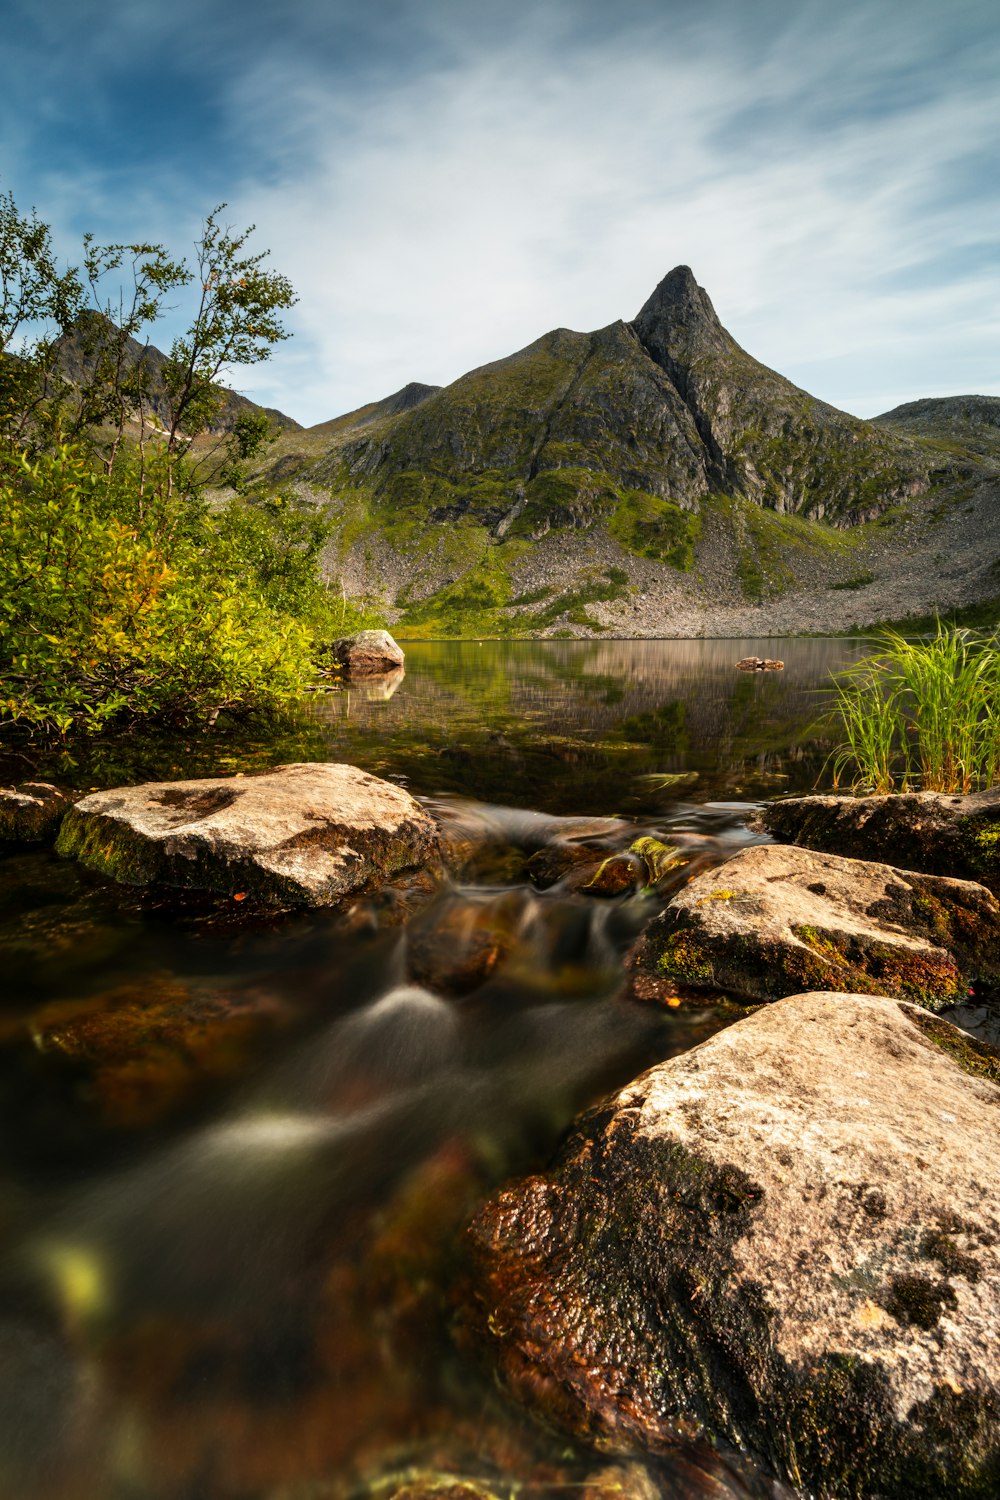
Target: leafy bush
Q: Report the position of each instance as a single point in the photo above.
(117, 604)
(922, 714)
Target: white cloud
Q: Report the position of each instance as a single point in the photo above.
(436, 217)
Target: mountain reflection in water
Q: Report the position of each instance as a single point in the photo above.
(257, 1289)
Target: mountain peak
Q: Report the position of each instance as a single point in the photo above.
(679, 321)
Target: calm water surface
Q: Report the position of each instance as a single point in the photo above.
(239, 1150)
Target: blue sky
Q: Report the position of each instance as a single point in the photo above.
(443, 182)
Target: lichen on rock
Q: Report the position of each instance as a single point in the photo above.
(786, 1239)
(776, 918)
(300, 835)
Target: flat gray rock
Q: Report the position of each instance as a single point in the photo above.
(936, 832)
(298, 835)
(789, 1239)
(776, 918)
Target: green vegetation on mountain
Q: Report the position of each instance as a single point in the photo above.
(658, 442)
(956, 425)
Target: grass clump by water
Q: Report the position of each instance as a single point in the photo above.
(921, 715)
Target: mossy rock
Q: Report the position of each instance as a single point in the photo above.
(773, 1242)
(31, 813)
(300, 835)
(935, 832)
(774, 920)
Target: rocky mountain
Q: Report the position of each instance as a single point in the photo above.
(78, 352)
(653, 460)
(970, 423)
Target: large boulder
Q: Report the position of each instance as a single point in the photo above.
(789, 1239)
(302, 835)
(933, 831)
(775, 919)
(31, 813)
(369, 653)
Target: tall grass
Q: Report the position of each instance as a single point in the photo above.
(920, 714)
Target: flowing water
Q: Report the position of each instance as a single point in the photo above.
(239, 1150)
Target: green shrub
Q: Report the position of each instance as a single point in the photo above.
(117, 605)
(922, 714)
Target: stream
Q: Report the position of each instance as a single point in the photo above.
(239, 1150)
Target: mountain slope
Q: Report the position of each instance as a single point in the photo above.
(654, 460)
(78, 352)
(971, 423)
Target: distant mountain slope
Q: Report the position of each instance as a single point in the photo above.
(650, 469)
(77, 353)
(406, 399)
(971, 422)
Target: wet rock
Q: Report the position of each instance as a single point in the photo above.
(759, 664)
(431, 1487)
(369, 653)
(613, 876)
(31, 813)
(139, 1054)
(301, 835)
(776, 918)
(935, 832)
(456, 944)
(786, 1239)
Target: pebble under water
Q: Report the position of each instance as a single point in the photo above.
(239, 1150)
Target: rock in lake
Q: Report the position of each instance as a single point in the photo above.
(301, 835)
(787, 1239)
(776, 918)
(937, 832)
(369, 653)
(31, 813)
(759, 664)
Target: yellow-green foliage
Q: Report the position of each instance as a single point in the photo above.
(115, 605)
(921, 714)
(655, 528)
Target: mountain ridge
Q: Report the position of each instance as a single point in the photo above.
(78, 351)
(653, 459)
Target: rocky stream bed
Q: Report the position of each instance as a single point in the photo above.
(424, 1146)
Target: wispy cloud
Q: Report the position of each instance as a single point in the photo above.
(442, 187)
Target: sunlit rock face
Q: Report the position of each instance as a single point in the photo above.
(787, 1238)
(776, 917)
(368, 653)
(302, 835)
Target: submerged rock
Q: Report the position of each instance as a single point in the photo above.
(141, 1053)
(786, 1239)
(300, 835)
(369, 653)
(939, 833)
(431, 1486)
(31, 813)
(775, 918)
